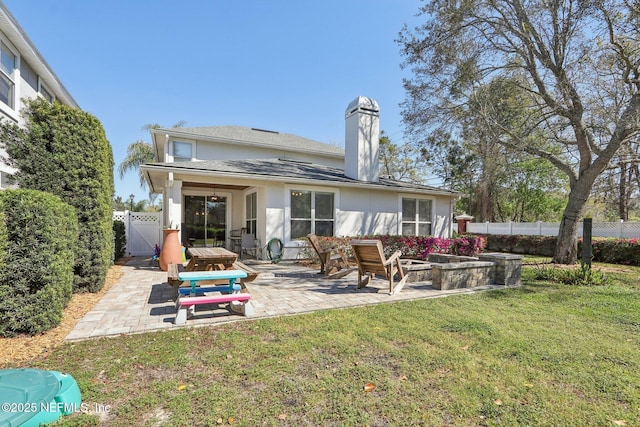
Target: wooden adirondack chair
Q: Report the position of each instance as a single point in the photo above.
(371, 261)
(331, 258)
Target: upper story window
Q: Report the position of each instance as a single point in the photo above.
(28, 74)
(7, 75)
(416, 217)
(46, 94)
(182, 151)
(312, 212)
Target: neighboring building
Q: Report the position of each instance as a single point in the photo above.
(218, 179)
(24, 73)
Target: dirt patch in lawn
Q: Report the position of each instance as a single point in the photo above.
(21, 349)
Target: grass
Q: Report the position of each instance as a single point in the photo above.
(540, 354)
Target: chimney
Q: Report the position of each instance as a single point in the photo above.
(362, 139)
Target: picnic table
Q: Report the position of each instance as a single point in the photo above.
(209, 259)
(239, 302)
(196, 276)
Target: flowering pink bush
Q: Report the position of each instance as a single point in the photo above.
(609, 250)
(614, 251)
(411, 247)
(419, 247)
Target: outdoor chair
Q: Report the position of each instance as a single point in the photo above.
(235, 236)
(334, 257)
(249, 243)
(370, 257)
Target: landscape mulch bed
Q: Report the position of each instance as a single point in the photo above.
(18, 350)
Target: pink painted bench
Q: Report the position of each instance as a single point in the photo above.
(239, 303)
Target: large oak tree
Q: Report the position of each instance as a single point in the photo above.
(571, 59)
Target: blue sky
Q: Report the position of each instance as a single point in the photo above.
(289, 66)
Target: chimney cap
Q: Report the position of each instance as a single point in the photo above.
(363, 104)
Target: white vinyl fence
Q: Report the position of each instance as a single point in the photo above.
(619, 229)
(143, 231)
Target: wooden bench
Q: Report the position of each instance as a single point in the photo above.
(173, 270)
(239, 303)
(217, 288)
(223, 275)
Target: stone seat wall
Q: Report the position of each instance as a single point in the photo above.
(458, 275)
(452, 271)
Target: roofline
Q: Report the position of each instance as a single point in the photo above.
(190, 171)
(19, 38)
(176, 132)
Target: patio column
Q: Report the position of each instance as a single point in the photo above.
(173, 215)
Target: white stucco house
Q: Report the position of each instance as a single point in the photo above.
(274, 185)
(24, 73)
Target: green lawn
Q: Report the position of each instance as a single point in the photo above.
(540, 354)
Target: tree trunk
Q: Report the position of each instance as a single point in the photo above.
(567, 245)
(623, 201)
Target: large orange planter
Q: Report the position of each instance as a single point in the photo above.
(171, 252)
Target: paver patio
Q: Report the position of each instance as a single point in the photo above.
(142, 300)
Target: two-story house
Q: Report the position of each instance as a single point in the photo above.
(24, 73)
(275, 185)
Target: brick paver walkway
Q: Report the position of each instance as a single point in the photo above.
(142, 300)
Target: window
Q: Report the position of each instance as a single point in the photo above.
(182, 151)
(311, 212)
(251, 202)
(416, 217)
(27, 73)
(46, 94)
(7, 75)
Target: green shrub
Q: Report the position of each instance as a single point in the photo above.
(546, 272)
(411, 247)
(520, 244)
(64, 151)
(119, 239)
(38, 233)
(584, 276)
(615, 251)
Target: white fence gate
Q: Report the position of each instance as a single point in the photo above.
(143, 231)
(619, 229)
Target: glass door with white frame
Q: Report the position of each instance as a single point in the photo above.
(205, 220)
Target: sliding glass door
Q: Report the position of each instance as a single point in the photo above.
(205, 220)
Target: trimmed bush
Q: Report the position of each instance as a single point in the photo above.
(120, 240)
(419, 247)
(38, 233)
(615, 251)
(609, 250)
(64, 151)
(412, 247)
(518, 244)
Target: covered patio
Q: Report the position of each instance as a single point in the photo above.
(142, 300)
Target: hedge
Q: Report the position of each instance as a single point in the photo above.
(615, 251)
(521, 244)
(64, 151)
(608, 250)
(119, 239)
(38, 233)
(413, 247)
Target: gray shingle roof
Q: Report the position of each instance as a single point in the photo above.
(244, 135)
(280, 169)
